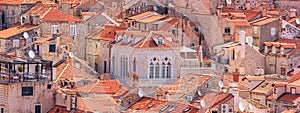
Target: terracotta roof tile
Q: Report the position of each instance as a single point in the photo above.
(60, 16)
(250, 14)
(265, 21)
(294, 78)
(42, 40)
(109, 32)
(288, 97)
(63, 109)
(15, 30)
(170, 24)
(19, 2)
(101, 87)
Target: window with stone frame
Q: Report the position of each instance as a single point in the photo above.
(293, 90)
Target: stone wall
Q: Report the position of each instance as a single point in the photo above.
(16, 103)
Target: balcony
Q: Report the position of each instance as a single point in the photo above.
(196, 67)
(19, 70)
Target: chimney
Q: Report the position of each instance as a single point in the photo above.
(264, 12)
(274, 50)
(248, 5)
(281, 50)
(266, 49)
(249, 40)
(242, 34)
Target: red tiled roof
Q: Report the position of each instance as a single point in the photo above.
(221, 99)
(59, 16)
(239, 22)
(142, 105)
(42, 40)
(288, 97)
(264, 21)
(101, 87)
(250, 14)
(63, 109)
(270, 97)
(109, 32)
(19, 2)
(170, 24)
(294, 78)
(15, 30)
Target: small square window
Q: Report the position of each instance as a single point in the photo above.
(52, 48)
(49, 86)
(227, 31)
(27, 91)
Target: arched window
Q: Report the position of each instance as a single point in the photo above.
(169, 70)
(151, 70)
(156, 70)
(113, 65)
(134, 65)
(163, 70)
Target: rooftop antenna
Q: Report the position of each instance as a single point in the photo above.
(25, 35)
(31, 54)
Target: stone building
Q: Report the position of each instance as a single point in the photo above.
(281, 56)
(26, 86)
(98, 48)
(12, 10)
(17, 37)
(265, 30)
(152, 55)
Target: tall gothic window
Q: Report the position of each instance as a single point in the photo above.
(134, 65)
(160, 68)
(123, 66)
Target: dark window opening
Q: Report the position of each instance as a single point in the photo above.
(27, 91)
(105, 70)
(49, 86)
(37, 109)
(227, 31)
(52, 48)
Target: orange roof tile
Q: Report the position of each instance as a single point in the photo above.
(294, 78)
(63, 109)
(288, 97)
(59, 16)
(101, 87)
(15, 30)
(239, 22)
(170, 24)
(19, 2)
(264, 21)
(221, 99)
(42, 40)
(270, 97)
(250, 14)
(109, 32)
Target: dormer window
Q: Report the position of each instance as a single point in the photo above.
(160, 41)
(227, 31)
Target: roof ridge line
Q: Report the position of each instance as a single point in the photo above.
(150, 33)
(62, 72)
(46, 13)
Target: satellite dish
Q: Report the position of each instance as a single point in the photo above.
(242, 106)
(251, 107)
(155, 8)
(71, 55)
(298, 20)
(31, 54)
(199, 92)
(140, 93)
(228, 2)
(25, 35)
(202, 103)
(221, 84)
